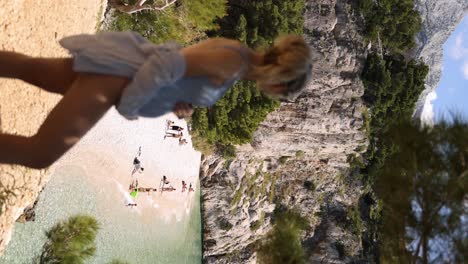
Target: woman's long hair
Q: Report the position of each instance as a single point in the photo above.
(286, 62)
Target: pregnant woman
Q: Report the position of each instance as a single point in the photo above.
(141, 79)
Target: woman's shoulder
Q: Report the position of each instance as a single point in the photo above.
(216, 42)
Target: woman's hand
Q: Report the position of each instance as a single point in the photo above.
(182, 110)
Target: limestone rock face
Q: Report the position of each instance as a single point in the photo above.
(439, 20)
(298, 156)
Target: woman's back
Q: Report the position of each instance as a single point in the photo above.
(156, 70)
(197, 90)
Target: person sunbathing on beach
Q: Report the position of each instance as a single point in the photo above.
(139, 151)
(168, 189)
(145, 189)
(171, 126)
(141, 79)
(131, 204)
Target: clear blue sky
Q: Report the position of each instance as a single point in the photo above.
(452, 92)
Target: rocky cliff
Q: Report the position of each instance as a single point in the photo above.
(298, 157)
(439, 19)
(308, 143)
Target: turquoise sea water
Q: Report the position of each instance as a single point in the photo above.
(125, 234)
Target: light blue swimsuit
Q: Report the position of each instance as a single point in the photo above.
(156, 72)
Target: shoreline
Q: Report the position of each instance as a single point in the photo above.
(103, 160)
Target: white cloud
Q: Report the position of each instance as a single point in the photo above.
(458, 50)
(465, 69)
(427, 115)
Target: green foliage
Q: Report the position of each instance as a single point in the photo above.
(392, 87)
(341, 249)
(309, 185)
(272, 194)
(227, 151)
(283, 243)
(360, 148)
(224, 224)
(300, 154)
(423, 189)
(117, 261)
(238, 194)
(283, 159)
(357, 226)
(257, 224)
(71, 241)
(376, 210)
(367, 120)
(355, 161)
(254, 186)
(201, 14)
(235, 117)
(394, 21)
(260, 22)
(157, 27)
(184, 22)
(201, 143)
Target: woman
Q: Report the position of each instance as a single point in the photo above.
(125, 70)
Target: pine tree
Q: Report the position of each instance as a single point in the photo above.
(423, 187)
(283, 243)
(71, 241)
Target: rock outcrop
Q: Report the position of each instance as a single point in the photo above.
(298, 156)
(439, 20)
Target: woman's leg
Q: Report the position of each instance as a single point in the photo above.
(86, 101)
(51, 74)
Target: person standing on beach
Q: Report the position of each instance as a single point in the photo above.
(137, 166)
(133, 185)
(139, 151)
(164, 180)
(141, 79)
(184, 186)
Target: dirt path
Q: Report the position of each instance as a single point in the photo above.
(32, 27)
